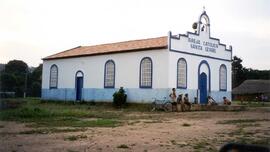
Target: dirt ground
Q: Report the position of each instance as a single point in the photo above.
(189, 131)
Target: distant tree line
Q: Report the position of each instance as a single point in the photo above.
(17, 77)
(240, 73)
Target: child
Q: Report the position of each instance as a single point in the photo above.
(181, 102)
(186, 102)
(173, 98)
(226, 101)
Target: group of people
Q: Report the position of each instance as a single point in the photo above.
(181, 100)
(211, 101)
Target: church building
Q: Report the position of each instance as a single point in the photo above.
(193, 63)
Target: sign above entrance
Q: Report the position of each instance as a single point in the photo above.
(202, 45)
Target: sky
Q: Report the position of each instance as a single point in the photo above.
(33, 29)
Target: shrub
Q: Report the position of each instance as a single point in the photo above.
(119, 97)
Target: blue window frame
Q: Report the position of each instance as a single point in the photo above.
(182, 73)
(109, 74)
(53, 76)
(223, 78)
(146, 73)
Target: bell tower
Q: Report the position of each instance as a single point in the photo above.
(204, 24)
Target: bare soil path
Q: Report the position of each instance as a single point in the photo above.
(189, 131)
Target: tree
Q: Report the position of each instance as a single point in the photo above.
(8, 82)
(257, 74)
(14, 77)
(17, 67)
(35, 82)
(238, 75)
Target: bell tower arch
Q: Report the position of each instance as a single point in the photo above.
(204, 24)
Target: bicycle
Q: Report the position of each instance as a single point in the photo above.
(164, 104)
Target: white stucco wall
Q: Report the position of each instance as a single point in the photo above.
(192, 70)
(127, 66)
(181, 48)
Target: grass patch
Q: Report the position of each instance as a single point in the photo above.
(252, 140)
(25, 113)
(52, 130)
(243, 125)
(56, 114)
(204, 146)
(76, 122)
(73, 137)
(253, 103)
(199, 145)
(186, 125)
(239, 121)
(122, 146)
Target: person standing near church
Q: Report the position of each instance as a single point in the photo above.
(186, 102)
(173, 99)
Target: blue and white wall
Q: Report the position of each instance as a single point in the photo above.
(127, 71)
(202, 54)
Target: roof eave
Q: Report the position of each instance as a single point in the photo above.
(102, 53)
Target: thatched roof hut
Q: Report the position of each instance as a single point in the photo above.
(253, 87)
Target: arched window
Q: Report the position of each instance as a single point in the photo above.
(146, 68)
(223, 78)
(182, 73)
(109, 74)
(53, 76)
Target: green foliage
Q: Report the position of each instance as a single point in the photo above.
(119, 97)
(237, 72)
(256, 74)
(35, 89)
(17, 67)
(34, 83)
(240, 73)
(8, 82)
(25, 113)
(239, 121)
(59, 115)
(16, 77)
(13, 78)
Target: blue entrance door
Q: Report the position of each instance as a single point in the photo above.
(79, 86)
(203, 88)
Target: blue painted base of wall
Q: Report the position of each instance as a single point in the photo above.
(133, 94)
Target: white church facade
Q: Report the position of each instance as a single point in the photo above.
(194, 63)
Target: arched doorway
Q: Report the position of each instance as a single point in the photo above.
(79, 85)
(203, 88)
(204, 81)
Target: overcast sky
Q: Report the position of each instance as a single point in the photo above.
(33, 29)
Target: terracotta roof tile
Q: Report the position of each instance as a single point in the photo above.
(127, 46)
